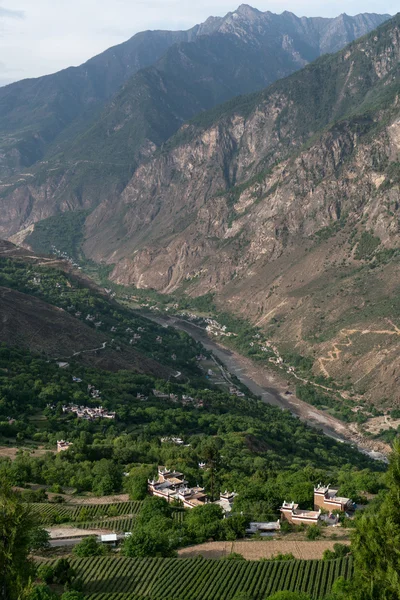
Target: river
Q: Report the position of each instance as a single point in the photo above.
(264, 384)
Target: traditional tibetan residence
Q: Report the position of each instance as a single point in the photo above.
(171, 485)
(62, 445)
(327, 498)
(226, 501)
(291, 512)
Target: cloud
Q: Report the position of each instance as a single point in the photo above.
(7, 13)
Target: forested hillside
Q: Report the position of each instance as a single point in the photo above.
(262, 450)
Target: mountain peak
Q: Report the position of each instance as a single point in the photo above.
(247, 11)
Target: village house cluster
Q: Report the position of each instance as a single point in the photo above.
(186, 400)
(88, 412)
(235, 392)
(173, 440)
(171, 485)
(325, 499)
(217, 329)
(64, 256)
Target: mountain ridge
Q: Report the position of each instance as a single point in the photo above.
(70, 145)
(295, 190)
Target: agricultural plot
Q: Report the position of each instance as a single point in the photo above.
(112, 578)
(48, 514)
(117, 525)
(122, 524)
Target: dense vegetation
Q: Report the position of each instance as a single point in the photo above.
(255, 440)
(261, 452)
(264, 454)
(63, 232)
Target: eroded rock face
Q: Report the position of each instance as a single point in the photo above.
(71, 140)
(265, 206)
(243, 189)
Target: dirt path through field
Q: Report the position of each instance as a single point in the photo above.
(256, 550)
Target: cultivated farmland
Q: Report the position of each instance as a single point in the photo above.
(111, 578)
(47, 514)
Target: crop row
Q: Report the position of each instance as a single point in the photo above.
(53, 513)
(117, 525)
(118, 578)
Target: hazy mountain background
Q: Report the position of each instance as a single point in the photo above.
(116, 108)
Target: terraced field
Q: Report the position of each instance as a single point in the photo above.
(117, 525)
(122, 524)
(118, 578)
(49, 514)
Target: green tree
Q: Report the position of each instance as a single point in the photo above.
(89, 547)
(63, 572)
(313, 532)
(234, 527)
(376, 543)
(204, 522)
(155, 533)
(39, 539)
(16, 527)
(137, 483)
(155, 538)
(212, 457)
(45, 573)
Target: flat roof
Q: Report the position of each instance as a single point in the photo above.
(111, 537)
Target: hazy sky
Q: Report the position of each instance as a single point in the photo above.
(42, 36)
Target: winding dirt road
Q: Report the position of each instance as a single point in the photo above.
(334, 354)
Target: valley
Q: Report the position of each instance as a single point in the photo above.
(272, 388)
(200, 313)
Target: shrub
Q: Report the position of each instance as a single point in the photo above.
(233, 556)
(41, 592)
(72, 595)
(46, 573)
(89, 547)
(313, 532)
(287, 556)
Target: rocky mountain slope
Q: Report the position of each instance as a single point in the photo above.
(70, 140)
(285, 204)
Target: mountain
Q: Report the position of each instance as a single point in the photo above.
(84, 135)
(35, 112)
(285, 205)
(243, 52)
